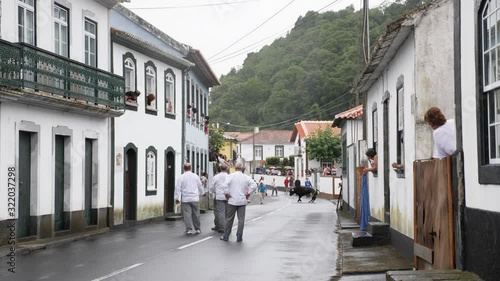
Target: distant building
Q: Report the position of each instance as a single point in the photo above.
(268, 143)
(301, 131)
(230, 148)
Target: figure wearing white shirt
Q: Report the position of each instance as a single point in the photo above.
(237, 189)
(188, 189)
(220, 206)
(445, 136)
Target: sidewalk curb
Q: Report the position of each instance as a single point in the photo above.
(27, 248)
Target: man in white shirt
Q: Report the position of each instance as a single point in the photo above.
(445, 136)
(188, 190)
(217, 188)
(237, 189)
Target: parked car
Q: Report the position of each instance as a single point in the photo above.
(275, 172)
(260, 171)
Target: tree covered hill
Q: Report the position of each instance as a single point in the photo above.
(305, 75)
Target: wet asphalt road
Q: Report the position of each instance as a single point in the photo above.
(282, 240)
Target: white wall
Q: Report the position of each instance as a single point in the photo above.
(268, 150)
(196, 139)
(11, 115)
(145, 130)
(479, 196)
(353, 132)
(78, 11)
(401, 194)
(424, 61)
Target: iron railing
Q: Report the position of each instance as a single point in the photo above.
(24, 67)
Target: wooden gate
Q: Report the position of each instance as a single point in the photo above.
(357, 192)
(433, 214)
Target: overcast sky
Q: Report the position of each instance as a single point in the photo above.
(214, 25)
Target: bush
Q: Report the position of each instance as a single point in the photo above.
(291, 161)
(273, 161)
(285, 162)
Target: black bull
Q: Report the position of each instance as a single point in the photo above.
(304, 191)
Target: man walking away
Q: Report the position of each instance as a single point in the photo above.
(275, 189)
(237, 189)
(217, 188)
(188, 190)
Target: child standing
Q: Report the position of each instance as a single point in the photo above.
(262, 192)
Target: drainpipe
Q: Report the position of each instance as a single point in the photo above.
(183, 137)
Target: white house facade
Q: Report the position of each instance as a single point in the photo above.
(267, 143)
(408, 73)
(57, 100)
(148, 137)
(301, 131)
(199, 80)
(353, 151)
(479, 99)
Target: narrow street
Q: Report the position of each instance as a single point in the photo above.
(283, 240)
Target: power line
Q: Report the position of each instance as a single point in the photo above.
(281, 33)
(242, 51)
(246, 35)
(193, 6)
(302, 116)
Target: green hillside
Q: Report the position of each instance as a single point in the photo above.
(310, 71)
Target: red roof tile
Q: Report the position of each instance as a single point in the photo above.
(352, 113)
(306, 128)
(269, 137)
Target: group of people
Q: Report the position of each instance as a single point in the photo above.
(231, 194)
(444, 134)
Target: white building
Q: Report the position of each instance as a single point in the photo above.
(199, 80)
(148, 139)
(410, 70)
(301, 131)
(478, 99)
(353, 151)
(57, 99)
(267, 143)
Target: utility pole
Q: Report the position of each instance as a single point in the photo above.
(365, 38)
(255, 130)
(366, 31)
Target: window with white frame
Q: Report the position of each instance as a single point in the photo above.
(279, 151)
(90, 49)
(150, 87)
(26, 21)
(494, 126)
(491, 80)
(258, 152)
(169, 93)
(61, 31)
(151, 170)
(129, 74)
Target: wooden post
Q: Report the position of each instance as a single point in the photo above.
(415, 228)
(450, 214)
(359, 181)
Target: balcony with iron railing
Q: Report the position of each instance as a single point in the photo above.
(37, 77)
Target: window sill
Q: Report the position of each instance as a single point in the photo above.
(131, 106)
(152, 111)
(170, 115)
(151, 192)
(400, 173)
